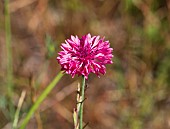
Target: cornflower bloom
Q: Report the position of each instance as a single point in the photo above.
(85, 55)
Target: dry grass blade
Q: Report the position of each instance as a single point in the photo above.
(20, 103)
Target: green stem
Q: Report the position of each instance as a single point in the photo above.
(9, 57)
(82, 98)
(39, 100)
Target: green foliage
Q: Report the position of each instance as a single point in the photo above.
(163, 71)
(74, 5)
(50, 46)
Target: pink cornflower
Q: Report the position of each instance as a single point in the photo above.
(85, 55)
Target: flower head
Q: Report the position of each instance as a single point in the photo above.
(85, 55)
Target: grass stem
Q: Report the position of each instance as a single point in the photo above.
(40, 100)
(9, 58)
(20, 102)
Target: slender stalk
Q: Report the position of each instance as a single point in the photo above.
(38, 119)
(39, 100)
(9, 57)
(81, 106)
(16, 117)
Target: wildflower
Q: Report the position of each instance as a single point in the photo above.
(85, 55)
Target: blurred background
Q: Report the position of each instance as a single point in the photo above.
(134, 93)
